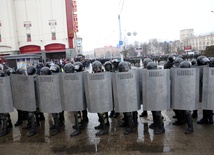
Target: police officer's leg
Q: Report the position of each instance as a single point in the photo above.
(32, 118)
(130, 123)
(99, 120)
(77, 116)
(85, 116)
(124, 120)
(9, 122)
(4, 125)
(135, 117)
(204, 119)
(55, 128)
(144, 113)
(103, 122)
(61, 119)
(160, 123)
(154, 124)
(210, 117)
(20, 118)
(189, 122)
(195, 114)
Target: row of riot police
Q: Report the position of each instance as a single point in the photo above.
(101, 92)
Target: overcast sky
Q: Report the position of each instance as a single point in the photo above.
(151, 19)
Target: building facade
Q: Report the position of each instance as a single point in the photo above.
(46, 27)
(107, 52)
(192, 42)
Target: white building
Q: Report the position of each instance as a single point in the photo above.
(38, 26)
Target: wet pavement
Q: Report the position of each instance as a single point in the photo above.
(142, 141)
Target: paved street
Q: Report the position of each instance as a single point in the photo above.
(142, 141)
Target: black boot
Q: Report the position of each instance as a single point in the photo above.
(20, 118)
(210, 116)
(160, 123)
(4, 123)
(104, 124)
(189, 124)
(33, 125)
(56, 128)
(130, 124)
(77, 116)
(195, 114)
(204, 119)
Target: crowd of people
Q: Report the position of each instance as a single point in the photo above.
(129, 117)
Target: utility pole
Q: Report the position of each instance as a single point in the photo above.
(120, 39)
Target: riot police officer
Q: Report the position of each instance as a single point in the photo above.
(78, 67)
(55, 128)
(128, 116)
(169, 64)
(55, 69)
(69, 68)
(103, 116)
(109, 67)
(145, 62)
(32, 121)
(187, 113)
(203, 61)
(22, 115)
(157, 117)
(207, 117)
(5, 117)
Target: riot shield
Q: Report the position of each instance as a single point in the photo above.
(156, 89)
(6, 101)
(98, 88)
(208, 89)
(72, 91)
(126, 91)
(23, 92)
(48, 91)
(185, 88)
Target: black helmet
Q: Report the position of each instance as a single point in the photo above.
(69, 68)
(177, 61)
(108, 66)
(185, 64)
(31, 70)
(151, 65)
(115, 63)
(211, 63)
(123, 66)
(10, 71)
(2, 73)
(78, 66)
(96, 66)
(49, 64)
(21, 71)
(55, 68)
(193, 62)
(146, 61)
(171, 58)
(202, 60)
(180, 56)
(45, 71)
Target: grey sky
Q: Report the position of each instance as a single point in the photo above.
(160, 19)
